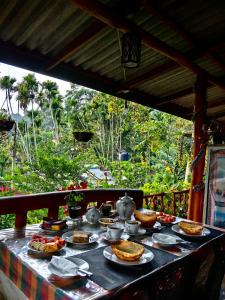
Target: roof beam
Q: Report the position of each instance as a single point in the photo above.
(107, 16)
(180, 94)
(34, 61)
(152, 10)
(151, 74)
(88, 35)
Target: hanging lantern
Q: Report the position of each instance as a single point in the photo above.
(131, 50)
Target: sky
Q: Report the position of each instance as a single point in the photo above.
(18, 73)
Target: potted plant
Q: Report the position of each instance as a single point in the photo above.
(83, 135)
(6, 123)
(73, 200)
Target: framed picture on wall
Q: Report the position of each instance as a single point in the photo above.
(214, 201)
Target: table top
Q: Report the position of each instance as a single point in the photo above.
(18, 264)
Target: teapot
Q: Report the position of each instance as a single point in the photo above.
(93, 215)
(125, 207)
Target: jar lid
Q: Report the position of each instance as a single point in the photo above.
(126, 197)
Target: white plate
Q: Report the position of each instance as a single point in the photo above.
(177, 229)
(43, 252)
(53, 232)
(145, 258)
(104, 235)
(68, 237)
(65, 272)
(165, 240)
(141, 231)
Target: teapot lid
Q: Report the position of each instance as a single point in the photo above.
(126, 197)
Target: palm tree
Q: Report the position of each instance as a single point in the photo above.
(27, 91)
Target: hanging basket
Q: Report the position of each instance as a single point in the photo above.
(83, 136)
(6, 125)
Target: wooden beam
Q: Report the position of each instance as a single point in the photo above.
(151, 74)
(34, 61)
(180, 94)
(112, 19)
(196, 197)
(150, 8)
(85, 37)
(218, 115)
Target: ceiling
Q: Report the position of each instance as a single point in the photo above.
(78, 41)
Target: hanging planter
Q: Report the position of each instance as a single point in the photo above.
(6, 125)
(83, 136)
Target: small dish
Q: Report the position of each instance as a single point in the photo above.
(141, 231)
(68, 236)
(106, 221)
(49, 231)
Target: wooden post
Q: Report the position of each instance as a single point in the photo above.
(196, 196)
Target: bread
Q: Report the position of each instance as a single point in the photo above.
(191, 228)
(81, 237)
(128, 251)
(146, 219)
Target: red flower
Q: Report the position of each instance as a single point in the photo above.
(83, 185)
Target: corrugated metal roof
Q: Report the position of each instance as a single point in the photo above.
(34, 34)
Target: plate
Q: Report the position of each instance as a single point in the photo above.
(53, 232)
(43, 252)
(145, 258)
(177, 229)
(141, 231)
(165, 240)
(104, 235)
(106, 221)
(68, 237)
(73, 263)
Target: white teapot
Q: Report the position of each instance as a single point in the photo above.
(93, 215)
(125, 207)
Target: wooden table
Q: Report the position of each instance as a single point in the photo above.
(194, 273)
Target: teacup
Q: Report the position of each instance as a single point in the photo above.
(132, 226)
(114, 232)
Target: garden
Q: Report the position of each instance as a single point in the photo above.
(55, 139)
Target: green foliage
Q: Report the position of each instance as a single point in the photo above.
(43, 156)
(73, 198)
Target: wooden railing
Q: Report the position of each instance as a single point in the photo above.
(20, 205)
(176, 203)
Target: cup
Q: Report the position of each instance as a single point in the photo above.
(132, 226)
(114, 232)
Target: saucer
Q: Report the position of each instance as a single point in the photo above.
(141, 231)
(124, 236)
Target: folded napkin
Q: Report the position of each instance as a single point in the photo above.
(63, 267)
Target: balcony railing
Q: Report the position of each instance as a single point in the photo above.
(20, 205)
(175, 202)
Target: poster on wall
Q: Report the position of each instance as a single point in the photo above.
(214, 202)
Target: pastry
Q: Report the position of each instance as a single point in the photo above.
(81, 237)
(147, 219)
(191, 228)
(128, 251)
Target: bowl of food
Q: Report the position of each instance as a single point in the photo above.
(147, 218)
(165, 219)
(106, 221)
(128, 251)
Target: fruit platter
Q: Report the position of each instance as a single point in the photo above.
(46, 245)
(165, 219)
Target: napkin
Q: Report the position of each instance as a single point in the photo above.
(63, 267)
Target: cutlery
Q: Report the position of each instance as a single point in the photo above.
(84, 272)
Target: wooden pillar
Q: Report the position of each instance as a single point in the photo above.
(196, 196)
